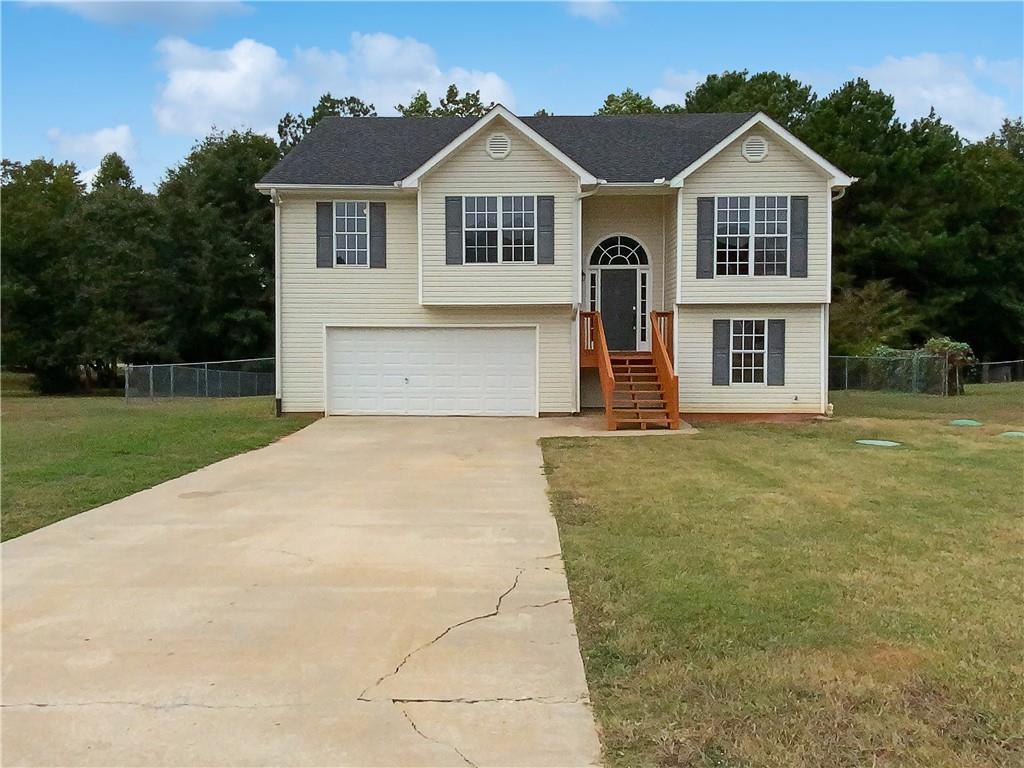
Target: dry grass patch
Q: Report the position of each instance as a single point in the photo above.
(776, 595)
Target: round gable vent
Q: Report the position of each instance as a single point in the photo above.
(754, 149)
(498, 145)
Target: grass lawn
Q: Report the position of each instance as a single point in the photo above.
(776, 595)
(63, 455)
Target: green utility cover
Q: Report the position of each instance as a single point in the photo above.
(965, 423)
(880, 443)
(1011, 434)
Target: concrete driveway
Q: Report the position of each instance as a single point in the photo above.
(365, 592)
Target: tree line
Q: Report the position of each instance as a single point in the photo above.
(929, 241)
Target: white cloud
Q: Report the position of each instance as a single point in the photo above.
(90, 148)
(169, 14)
(248, 84)
(1008, 72)
(951, 84)
(598, 11)
(251, 84)
(674, 86)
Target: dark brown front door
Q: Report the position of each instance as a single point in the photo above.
(618, 308)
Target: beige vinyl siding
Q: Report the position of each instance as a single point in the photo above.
(671, 243)
(802, 392)
(782, 172)
(639, 216)
(312, 297)
(471, 171)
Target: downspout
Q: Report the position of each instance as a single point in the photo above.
(276, 198)
(579, 242)
(577, 292)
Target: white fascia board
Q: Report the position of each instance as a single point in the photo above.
(838, 178)
(498, 110)
(265, 188)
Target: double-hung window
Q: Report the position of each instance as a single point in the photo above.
(508, 220)
(752, 235)
(351, 233)
(748, 352)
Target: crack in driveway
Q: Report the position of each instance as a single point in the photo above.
(497, 700)
(415, 727)
(490, 614)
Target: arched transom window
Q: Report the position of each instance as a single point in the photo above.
(618, 251)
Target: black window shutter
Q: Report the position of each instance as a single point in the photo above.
(706, 238)
(378, 235)
(798, 236)
(453, 230)
(546, 229)
(776, 353)
(325, 234)
(720, 353)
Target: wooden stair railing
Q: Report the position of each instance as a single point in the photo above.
(594, 346)
(588, 358)
(663, 321)
(661, 327)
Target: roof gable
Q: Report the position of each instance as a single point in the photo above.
(498, 113)
(762, 120)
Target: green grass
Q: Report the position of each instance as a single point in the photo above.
(776, 595)
(64, 455)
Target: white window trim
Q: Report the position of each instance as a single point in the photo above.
(750, 237)
(759, 384)
(501, 259)
(334, 228)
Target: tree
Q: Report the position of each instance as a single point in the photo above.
(875, 314)
(779, 96)
(222, 247)
(291, 129)
(542, 113)
(113, 171)
(983, 301)
(629, 102)
(39, 306)
(1010, 137)
(124, 282)
(453, 104)
(419, 106)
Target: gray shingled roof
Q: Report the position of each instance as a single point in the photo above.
(617, 148)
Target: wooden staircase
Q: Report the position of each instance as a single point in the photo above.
(641, 389)
(638, 399)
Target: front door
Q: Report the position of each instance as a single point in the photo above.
(618, 308)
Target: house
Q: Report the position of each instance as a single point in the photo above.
(499, 265)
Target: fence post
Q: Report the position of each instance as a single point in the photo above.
(172, 382)
(206, 377)
(151, 382)
(913, 375)
(846, 373)
(127, 375)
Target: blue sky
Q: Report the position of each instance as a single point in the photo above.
(148, 79)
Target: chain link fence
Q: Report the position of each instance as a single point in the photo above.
(1002, 372)
(923, 374)
(913, 373)
(222, 378)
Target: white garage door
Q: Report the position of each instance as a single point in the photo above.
(432, 371)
